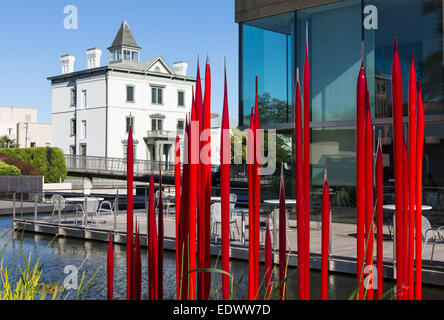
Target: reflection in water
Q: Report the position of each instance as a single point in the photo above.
(91, 256)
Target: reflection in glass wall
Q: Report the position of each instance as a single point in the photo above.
(334, 149)
(433, 171)
(267, 52)
(334, 34)
(422, 33)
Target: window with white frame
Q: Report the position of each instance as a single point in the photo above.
(129, 93)
(83, 130)
(157, 95)
(73, 127)
(156, 124)
(130, 123)
(181, 98)
(180, 126)
(73, 97)
(84, 99)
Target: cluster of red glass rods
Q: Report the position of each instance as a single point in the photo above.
(193, 278)
(408, 190)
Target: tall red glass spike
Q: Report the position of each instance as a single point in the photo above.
(398, 164)
(152, 244)
(379, 219)
(225, 156)
(194, 169)
(251, 186)
(325, 238)
(257, 188)
(360, 178)
(206, 182)
(197, 166)
(412, 177)
(129, 214)
(301, 222)
(110, 268)
(160, 239)
(282, 236)
(405, 260)
(268, 264)
(419, 159)
(307, 102)
(177, 187)
(369, 197)
(137, 266)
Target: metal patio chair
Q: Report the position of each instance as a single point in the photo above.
(216, 219)
(166, 202)
(263, 225)
(431, 235)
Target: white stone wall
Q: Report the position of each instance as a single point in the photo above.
(38, 133)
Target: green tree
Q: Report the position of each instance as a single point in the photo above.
(7, 143)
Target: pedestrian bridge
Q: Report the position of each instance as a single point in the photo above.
(116, 168)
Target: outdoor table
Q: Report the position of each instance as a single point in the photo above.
(81, 201)
(392, 207)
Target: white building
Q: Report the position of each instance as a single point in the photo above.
(20, 125)
(93, 109)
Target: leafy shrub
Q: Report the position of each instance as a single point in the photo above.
(8, 170)
(25, 168)
(52, 169)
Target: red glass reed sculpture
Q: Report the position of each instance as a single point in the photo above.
(225, 156)
(412, 176)
(193, 207)
(257, 187)
(160, 239)
(398, 165)
(152, 245)
(360, 178)
(177, 187)
(110, 268)
(405, 280)
(197, 166)
(325, 238)
(184, 224)
(129, 214)
(206, 183)
(379, 219)
(268, 264)
(307, 102)
(137, 268)
(300, 203)
(282, 236)
(369, 197)
(251, 186)
(419, 159)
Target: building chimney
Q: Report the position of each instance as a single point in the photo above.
(180, 68)
(93, 57)
(67, 63)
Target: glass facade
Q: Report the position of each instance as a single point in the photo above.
(267, 52)
(274, 49)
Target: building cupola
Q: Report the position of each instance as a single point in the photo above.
(124, 47)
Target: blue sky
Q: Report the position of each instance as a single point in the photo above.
(33, 39)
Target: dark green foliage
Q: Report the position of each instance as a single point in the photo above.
(38, 157)
(8, 170)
